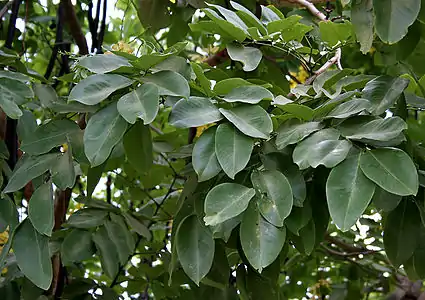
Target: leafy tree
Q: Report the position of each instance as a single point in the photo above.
(223, 150)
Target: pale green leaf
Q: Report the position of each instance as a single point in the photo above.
(250, 57)
(334, 33)
(329, 153)
(233, 149)
(362, 19)
(226, 201)
(103, 63)
(204, 159)
(252, 94)
(169, 83)
(225, 86)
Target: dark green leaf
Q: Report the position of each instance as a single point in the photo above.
(77, 246)
(138, 147)
(293, 131)
(169, 83)
(107, 251)
(120, 236)
(87, 218)
(40, 209)
(248, 94)
(385, 200)
(362, 19)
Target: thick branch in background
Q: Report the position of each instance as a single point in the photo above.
(58, 41)
(102, 29)
(74, 27)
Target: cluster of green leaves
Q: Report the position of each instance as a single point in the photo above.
(278, 182)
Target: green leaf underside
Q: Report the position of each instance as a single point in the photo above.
(204, 158)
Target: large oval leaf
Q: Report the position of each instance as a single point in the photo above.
(248, 94)
(108, 252)
(104, 130)
(204, 159)
(293, 131)
(12, 94)
(303, 150)
(226, 201)
(392, 169)
(363, 127)
(40, 209)
(96, 88)
(141, 103)
(169, 83)
(195, 248)
(385, 200)
(103, 63)
(329, 153)
(49, 135)
(349, 192)
(77, 246)
(261, 241)
(401, 232)
(87, 218)
(250, 57)
(138, 147)
(196, 111)
(349, 108)
(393, 18)
(233, 149)
(28, 168)
(275, 202)
(252, 120)
(32, 254)
(120, 236)
(383, 91)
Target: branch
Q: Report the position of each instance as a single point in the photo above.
(4, 9)
(102, 29)
(58, 41)
(74, 27)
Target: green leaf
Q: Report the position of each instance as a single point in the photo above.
(12, 94)
(225, 86)
(77, 246)
(284, 164)
(63, 171)
(261, 241)
(365, 127)
(230, 16)
(293, 131)
(28, 168)
(268, 15)
(392, 169)
(393, 17)
(138, 147)
(49, 135)
(252, 94)
(204, 159)
(306, 240)
(298, 110)
(141, 103)
(252, 120)
(177, 64)
(224, 229)
(107, 251)
(225, 201)
(153, 14)
(401, 232)
(248, 17)
(349, 192)
(104, 130)
(103, 63)
(299, 218)
(195, 248)
(362, 19)
(283, 25)
(93, 177)
(204, 82)
(349, 108)
(275, 200)
(40, 209)
(87, 218)
(96, 88)
(121, 237)
(303, 150)
(137, 226)
(169, 83)
(232, 30)
(383, 92)
(27, 124)
(46, 94)
(233, 149)
(196, 111)
(32, 254)
(384, 200)
(333, 33)
(329, 153)
(250, 57)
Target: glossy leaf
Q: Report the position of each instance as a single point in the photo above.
(252, 94)
(329, 153)
(385, 200)
(32, 254)
(349, 108)
(383, 92)
(248, 17)
(401, 232)
(103, 63)
(141, 103)
(138, 147)
(232, 149)
(169, 83)
(96, 88)
(250, 57)
(349, 192)
(391, 169)
(224, 87)
(275, 200)
(196, 111)
(392, 18)
(40, 209)
(204, 158)
(104, 130)
(293, 131)
(195, 248)
(225, 201)
(261, 241)
(252, 120)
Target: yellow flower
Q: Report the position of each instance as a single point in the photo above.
(301, 76)
(122, 47)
